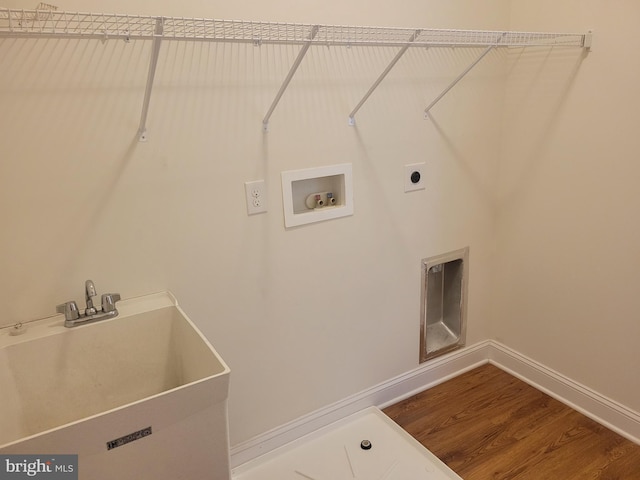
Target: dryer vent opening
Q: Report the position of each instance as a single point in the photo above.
(443, 319)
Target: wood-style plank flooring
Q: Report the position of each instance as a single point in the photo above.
(487, 424)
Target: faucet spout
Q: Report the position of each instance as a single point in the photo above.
(90, 292)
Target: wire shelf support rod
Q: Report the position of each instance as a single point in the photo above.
(153, 63)
(287, 80)
(352, 120)
(458, 78)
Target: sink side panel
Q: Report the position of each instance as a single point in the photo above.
(193, 357)
(189, 438)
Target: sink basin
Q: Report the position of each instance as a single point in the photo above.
(77, 390)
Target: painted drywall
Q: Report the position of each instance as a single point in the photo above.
(568, 232)
(304, 316)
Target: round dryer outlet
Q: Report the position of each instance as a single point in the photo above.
(414, 177)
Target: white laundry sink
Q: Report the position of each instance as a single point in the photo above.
(130, 395)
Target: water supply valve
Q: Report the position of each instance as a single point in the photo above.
(321, 200)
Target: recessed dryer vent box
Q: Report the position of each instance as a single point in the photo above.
(317, 194)
(443, 316)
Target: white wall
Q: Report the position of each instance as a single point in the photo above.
(567, 287)
(305, 316)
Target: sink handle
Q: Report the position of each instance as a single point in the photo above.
(70, 310)
(109, 302)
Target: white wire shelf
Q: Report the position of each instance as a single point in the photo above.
(51, 23)
(48, 22)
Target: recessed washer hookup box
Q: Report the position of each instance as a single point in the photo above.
(317, 194)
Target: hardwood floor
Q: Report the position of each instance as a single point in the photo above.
(487, 424)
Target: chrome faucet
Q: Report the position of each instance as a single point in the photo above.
(73, 317)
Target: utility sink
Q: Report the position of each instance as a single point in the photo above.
(82, 390)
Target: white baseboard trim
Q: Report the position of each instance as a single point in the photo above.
(403, 386)
(590, 403)
(612, 415)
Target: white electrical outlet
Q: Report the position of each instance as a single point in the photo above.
(256, 193)
(414, 177)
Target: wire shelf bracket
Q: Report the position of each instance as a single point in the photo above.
(48, 22)
(457, 80)
(414, 36)
(287, 80)
(586, 44)
(153, 64)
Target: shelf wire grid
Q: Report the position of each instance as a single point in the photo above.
(52, 23)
